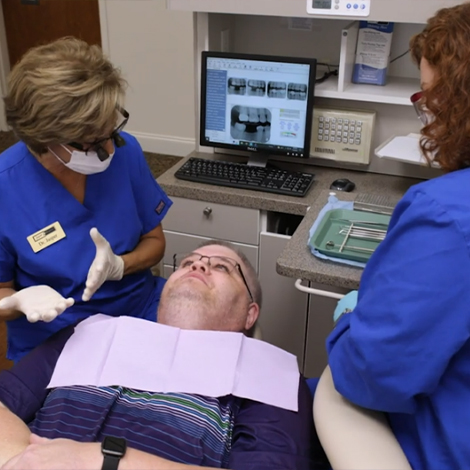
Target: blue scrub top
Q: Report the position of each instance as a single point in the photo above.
(124, 202)
(405, 348)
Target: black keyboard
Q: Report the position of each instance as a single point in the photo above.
(239, 175)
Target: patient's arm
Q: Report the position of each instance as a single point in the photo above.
(65, 454)
(23, 391)
(14, 434)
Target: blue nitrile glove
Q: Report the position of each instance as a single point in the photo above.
(345, 305)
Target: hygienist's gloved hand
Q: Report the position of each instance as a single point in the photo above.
(37, 303)
(345, 305)
(105, 267)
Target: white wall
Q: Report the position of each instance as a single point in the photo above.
(154, 49)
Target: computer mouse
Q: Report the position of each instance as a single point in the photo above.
(343, 184)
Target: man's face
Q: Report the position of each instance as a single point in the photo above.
(200, 297)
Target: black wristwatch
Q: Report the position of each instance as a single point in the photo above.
(113, 450)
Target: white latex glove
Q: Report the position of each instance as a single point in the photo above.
(105, 267)
(37, 303)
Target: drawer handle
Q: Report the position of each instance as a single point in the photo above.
(207, 211)
(322, 293)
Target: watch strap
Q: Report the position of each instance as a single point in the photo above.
(113, 450)
(110, 462)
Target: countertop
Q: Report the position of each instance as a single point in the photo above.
(295, 261)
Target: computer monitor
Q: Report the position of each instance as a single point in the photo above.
(257, 103)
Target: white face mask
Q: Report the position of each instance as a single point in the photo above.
(85, 163)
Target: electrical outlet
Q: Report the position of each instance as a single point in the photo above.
(225, 40)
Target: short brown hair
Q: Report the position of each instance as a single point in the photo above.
(64, 91)
(445, 44)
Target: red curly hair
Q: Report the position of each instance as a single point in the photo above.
(445, 44)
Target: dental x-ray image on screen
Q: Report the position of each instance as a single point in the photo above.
(256, 87)
(297, 91)
(236, 86)
(250, 124)
(277, 89)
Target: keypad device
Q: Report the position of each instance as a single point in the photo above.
(339, 130)
(342, 134)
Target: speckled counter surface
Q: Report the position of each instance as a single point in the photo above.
(296, 261)
(231, 196)
(159, 163)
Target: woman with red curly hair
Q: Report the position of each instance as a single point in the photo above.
(404, 349)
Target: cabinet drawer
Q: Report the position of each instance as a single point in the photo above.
(181, 243)
(211, 220)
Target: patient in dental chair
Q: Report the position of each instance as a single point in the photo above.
(214, 288)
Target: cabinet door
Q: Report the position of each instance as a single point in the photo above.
(4, 362)
(319, 326)
(283, 317)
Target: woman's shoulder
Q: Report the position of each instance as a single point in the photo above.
(445, 189)
(12, 156)
(130, 154)
(447, 196)
(131, 143)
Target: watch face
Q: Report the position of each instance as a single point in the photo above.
(114, 446)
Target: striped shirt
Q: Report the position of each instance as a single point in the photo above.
(224, 432)
(183, 427)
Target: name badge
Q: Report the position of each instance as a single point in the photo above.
(46, 237)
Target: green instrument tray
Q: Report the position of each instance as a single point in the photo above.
(327, 238)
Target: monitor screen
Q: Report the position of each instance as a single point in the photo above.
(262, 104)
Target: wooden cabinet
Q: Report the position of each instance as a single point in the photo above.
(4, 362)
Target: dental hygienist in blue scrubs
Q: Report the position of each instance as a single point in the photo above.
(405, 347)
(80, 212)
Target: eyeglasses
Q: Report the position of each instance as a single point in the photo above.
(420, 108)
(220, 264)
(97, 145)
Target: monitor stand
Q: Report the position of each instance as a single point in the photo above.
(257, 160)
